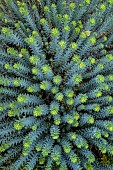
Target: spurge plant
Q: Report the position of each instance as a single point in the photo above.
(56, 84)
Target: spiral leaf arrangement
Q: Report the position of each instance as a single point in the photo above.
(56, 84)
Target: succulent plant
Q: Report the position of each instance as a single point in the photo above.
(56, 84)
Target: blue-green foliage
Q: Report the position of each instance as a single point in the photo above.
(56, 84)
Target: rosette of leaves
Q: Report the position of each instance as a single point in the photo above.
(56, 84)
